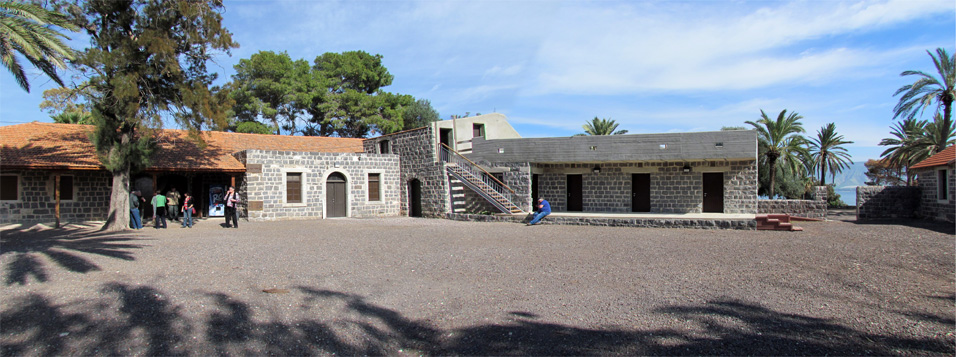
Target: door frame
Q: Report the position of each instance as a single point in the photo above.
(414, 190)
(567, 190)
(703, 181)
(634, 192)
(325, 187)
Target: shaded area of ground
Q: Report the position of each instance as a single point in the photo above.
(138, 320)
(435, 287)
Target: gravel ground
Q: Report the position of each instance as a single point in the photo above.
(406, 286)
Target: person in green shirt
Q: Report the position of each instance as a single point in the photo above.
(159, 202)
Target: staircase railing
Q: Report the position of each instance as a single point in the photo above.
(449, 155)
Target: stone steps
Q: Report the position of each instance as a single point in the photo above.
(775, 222)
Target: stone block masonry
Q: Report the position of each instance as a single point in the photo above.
(417, 160)
(741, 224)
(812, 208)
(887, 202)
(268, 193)
(672, 189)
(36, 202)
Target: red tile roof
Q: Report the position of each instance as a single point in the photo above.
(945, 157)
(68, 146)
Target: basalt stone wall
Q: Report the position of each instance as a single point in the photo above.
(812, 208)
(742, 224)
(672, 189)
(931, 206)
(36, 201)
(266, 193)
(418, 160)
(887, 202)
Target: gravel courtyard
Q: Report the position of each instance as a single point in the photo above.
(406, 286)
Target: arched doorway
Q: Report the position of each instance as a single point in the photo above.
(336, 196)
(414, 198)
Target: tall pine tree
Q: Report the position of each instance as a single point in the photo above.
(146, 61)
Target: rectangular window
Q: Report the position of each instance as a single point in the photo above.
(383, 147)
(293, 187)
(374, 187)
(499, 175)
(478, 130)
(942, 189)
(9, 188)
(66, 188)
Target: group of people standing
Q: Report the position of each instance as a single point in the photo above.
(164, 206)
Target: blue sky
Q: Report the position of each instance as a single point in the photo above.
(651, 66)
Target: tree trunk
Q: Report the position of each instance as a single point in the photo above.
(773, 172)
(118, 218)
(823, 173)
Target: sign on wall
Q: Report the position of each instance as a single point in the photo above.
(217, 194)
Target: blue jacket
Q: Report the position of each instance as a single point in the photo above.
(545, 207)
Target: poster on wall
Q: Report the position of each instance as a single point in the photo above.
(217, 193)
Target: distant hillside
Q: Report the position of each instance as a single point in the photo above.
(851, 177)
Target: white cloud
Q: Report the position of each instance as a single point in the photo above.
(630, 50)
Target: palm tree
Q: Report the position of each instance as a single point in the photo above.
(902, 152)
(928, 89)
(937, 135)
(601, 127)
(780, 141)
(828, 153)
(27, 29)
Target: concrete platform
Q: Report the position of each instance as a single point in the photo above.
(645, 220)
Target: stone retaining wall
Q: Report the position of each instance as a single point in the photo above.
(813, 208)
(887, 202)
(742, 224)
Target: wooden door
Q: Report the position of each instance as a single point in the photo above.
(640, 192)
(713, 192)
(336, 197)
(414, 198)
(575, 188)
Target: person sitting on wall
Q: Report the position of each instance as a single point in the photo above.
(544, 209)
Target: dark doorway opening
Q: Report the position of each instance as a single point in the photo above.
(713, 192)
(414, 198)
(575, 189)
(534, 191)
(640, 192)
(336, 198)
(445, 137)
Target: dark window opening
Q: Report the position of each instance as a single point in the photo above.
(941, 187)
(478, 130)
(9, 188)
(383, 147)
(66, 188)
(293, 187)
(499, 175)
(374, 187)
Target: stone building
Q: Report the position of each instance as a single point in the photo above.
(708, 172)
(462, 166)
(280, 177)
(937, 182)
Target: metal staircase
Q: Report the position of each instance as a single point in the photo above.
(480, 181)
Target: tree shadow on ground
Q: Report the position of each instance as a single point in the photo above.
(935, 226)
(66, 247)
(140, 320)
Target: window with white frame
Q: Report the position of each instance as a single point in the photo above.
(293, 187)
(375, 187)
